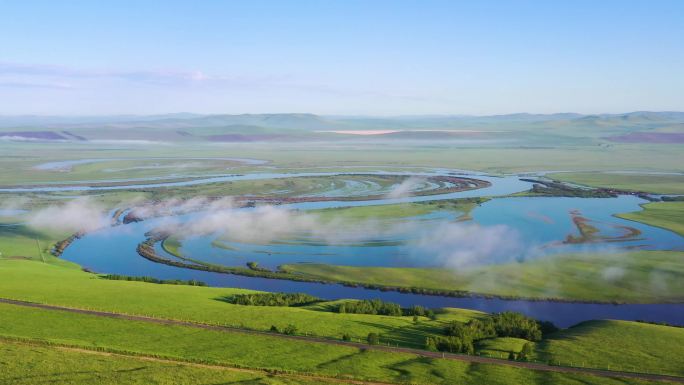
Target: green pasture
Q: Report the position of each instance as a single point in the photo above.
(21, 241)
(19, 159)
(607, 277)
(262, 352)
(652, 183)
(57, 285)
(620, 345)
(668, 215)
(38, 364)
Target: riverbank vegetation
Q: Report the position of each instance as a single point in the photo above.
(119, 277)
(590, 277)
(651, 183)
(667, 215)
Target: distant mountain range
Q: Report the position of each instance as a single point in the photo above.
(302, 126)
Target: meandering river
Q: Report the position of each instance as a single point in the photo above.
(539, 221)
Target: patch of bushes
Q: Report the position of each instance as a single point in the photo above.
(289, 330)
(190, 282)
(460, 337)
(373, 306)
(272, 299)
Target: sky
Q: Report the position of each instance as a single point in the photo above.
(341, 57)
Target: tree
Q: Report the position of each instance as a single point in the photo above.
(511, 356)
(525, 353)
(373, 339)
(430, 344)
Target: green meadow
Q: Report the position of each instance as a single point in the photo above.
(581, 277)
(619, 345)
(668, 215)
(652, 183)
(262, 352)
(39, 364)
(56, 285)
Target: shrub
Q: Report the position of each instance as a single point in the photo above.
(373, 338)
(290, 330)
(431, 344)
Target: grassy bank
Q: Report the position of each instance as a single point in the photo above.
(21, 241)
(652, 183)
(580, 277)
(44, 283)
(668, 215)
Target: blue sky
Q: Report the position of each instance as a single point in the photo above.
(340, 57)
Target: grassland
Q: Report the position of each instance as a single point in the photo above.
(20, 158)
(37, 364)
(25, 242)
(172, 246)
(261, 352)
(397, 211)
(652, 183)
(579, 277)
(58, 285)
(618, 344)
(668, 215)
(501, 346)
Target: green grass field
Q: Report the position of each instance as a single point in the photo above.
(57, 285)
(37, 364)
(395, 211)
(263, 352)
(569, 277)
(668, 215)
(23, 241)
(653, 183)
(618, 344)
(16, 167)
(501, 346)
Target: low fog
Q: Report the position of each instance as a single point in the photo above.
(78, 215)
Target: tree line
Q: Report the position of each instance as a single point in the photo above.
(190, 282)
(272, 299)
(379, 307)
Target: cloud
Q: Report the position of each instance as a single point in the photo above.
(78, 215)
(20, 75)
(459, 245)
(613, 273)
(443, 243)
(154, 77)
(47, 85)
(406, 187)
